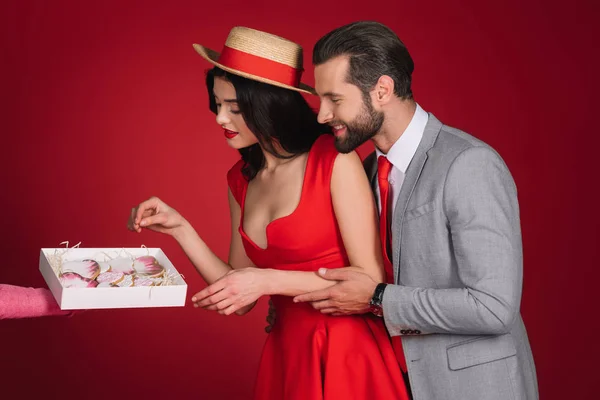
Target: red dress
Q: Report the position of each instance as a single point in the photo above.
(309, 355)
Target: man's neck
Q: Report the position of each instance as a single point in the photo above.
(397, 118)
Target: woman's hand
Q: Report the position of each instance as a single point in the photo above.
(155, 215)
(234, 291)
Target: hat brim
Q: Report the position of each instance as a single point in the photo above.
(212, 56)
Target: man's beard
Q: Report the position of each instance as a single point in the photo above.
(362, 128)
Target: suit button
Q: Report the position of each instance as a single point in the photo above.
(403, 332)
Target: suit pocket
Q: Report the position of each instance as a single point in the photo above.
(480, 350)
(419, 211)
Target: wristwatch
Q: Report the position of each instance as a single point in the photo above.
(376, 303)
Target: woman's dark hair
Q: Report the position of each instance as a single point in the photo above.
(273, 114)
(374, 50)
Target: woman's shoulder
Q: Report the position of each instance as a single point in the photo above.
(235, 172)
(236, 180)
(322, 157)
(324, 146)
(326, 141)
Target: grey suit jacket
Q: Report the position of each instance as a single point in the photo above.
(458, 267)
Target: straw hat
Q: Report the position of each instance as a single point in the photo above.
(260, 56)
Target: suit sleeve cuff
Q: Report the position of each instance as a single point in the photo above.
(397, 306)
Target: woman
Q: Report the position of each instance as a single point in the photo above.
(296, 205)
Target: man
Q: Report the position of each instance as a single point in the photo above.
(449, 225)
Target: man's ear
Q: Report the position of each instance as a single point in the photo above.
(383, 90)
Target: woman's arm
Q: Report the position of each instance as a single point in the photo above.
(156, 215)
(201, 257)
(356, 215)
(211, 267)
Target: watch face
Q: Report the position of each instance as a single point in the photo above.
(377, 310)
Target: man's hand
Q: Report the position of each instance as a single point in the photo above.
(351, 295)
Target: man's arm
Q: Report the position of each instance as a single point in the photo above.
(480, 203)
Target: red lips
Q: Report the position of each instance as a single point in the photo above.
(230, 134)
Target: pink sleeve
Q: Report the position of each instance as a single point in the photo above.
(22, 302)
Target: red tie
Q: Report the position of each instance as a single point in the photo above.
(383, 171)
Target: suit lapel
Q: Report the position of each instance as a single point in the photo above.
(370, 165)
(410, 181)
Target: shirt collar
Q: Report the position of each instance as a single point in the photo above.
(403, 151)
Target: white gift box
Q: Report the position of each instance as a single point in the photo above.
(78, 298)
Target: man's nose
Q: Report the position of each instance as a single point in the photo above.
(325, 115)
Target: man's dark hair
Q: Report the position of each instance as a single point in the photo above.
(373, 50)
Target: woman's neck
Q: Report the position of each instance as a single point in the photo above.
(272, 162)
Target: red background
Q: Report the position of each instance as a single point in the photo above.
(104, 104)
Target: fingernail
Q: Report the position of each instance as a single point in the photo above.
(322, 271)
(193, 299)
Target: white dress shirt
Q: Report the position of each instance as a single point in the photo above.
(402, 153)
